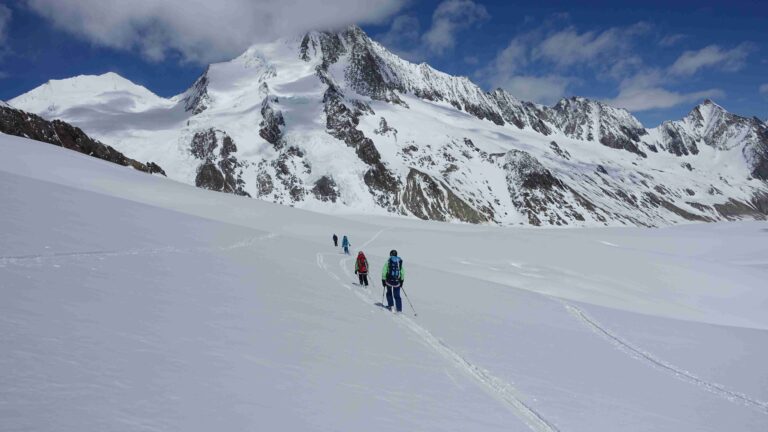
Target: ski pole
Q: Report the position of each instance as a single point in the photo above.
(409, 301)
(383, 290)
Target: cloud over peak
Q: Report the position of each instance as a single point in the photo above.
(202, 30)
(712, 56)
(449, 18)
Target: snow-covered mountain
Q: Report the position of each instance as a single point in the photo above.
(333, 121)
(23, 124)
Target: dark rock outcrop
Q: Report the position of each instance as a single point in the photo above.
(341, 123)
(676, 141)
(428, 198)
(326, 189)
(757, 153)
(23, 124)
(539, 195)
(558, 151)
(272, 123)
(590, 120)
(219, 171)
(385, 129)
(734, 210)
(288, 167)
(196, 98)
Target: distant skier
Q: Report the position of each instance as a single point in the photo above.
(345, 244)
(361, 268)
(335, 241)
(392, 278)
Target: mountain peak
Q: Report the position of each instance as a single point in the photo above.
(706, 112)
(84, 90)
(708, 105)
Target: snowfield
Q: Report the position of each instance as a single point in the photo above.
(132, 302)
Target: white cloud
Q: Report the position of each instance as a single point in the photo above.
(568, 47)
(450, 17)
(511, 59)
(711, 56)
(671, 40)
(542, 89)
(203, 30)
(5, 18)
(535, 65)
(645, 91)
(764, 89)
(643, 99)
(403, 38)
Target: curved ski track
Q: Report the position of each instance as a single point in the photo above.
(653, 361)
(37, 259)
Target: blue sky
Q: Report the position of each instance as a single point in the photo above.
(657, 59)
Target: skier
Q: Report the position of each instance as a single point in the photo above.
(335, 241)
(345, 244)
(361, 268)
(392, 278)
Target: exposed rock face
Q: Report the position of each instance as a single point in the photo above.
(326, 189)
(589, 120)
(522, 114)
(558, 151)
(288, 168)
(538, 193)
(375, 72)
(676, 141)
(526, 172)
(197, 99)
(756, 153)
(342, 122)
(272, 122)
(19, 123)
(220, 170)
(385, 129)
(428, 198)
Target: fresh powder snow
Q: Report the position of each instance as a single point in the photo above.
(133, 302)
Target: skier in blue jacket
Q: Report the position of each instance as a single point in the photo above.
(345, 244)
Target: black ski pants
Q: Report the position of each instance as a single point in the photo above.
(363, 278)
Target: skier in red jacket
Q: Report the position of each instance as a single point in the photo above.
(361, 268)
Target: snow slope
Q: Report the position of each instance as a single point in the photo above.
(134, 302)
(333, 121)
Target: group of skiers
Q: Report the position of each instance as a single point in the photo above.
(392, 274)
(344, 243)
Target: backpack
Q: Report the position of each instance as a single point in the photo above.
(395, 266)
(362, 265)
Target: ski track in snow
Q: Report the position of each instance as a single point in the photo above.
(27, 260)
(653, 361)
(500, 389)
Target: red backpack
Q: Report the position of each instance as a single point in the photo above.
(362, 264)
